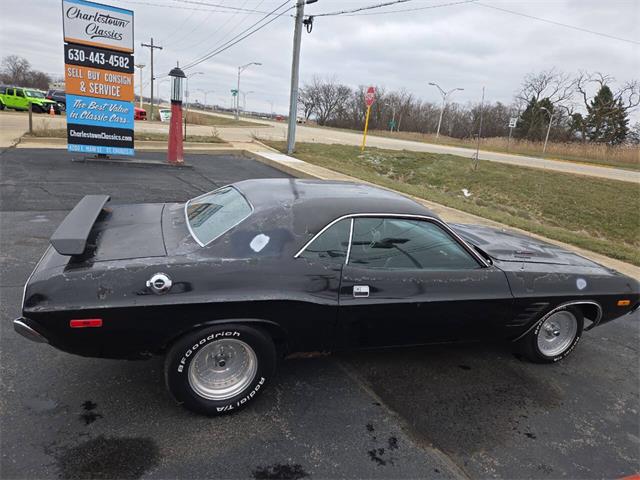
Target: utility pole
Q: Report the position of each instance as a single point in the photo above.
(295, 75)
(151, 47)
(546, 139)
(140, 67)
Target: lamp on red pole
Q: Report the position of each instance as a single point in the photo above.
(175, 153)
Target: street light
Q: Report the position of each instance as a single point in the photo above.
(444, 101)
(186, 108)
(546, 139)
(205, 95)
(241, 69)
(244, 99)
(140, 67)
(393, 117)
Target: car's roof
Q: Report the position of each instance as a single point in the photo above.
(314, 203)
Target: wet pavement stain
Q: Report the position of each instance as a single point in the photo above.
(89, 416)
(280, 471)
(378, 454)
(107, 458)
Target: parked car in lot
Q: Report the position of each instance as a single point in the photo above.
(58, 96)
(18, 98)
(139, 113)
(227, 282)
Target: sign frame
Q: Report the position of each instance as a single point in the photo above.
(88, 38)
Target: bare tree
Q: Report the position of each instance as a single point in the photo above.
(553, 84)
(627, 95)
(15, 69)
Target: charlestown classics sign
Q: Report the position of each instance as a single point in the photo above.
(97, 25)
(98, 77)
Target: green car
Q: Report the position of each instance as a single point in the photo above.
(18, 98)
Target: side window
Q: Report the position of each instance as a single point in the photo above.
(392, 243)
(331, 246)
(19, 93)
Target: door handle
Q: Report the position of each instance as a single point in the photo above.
(361, 291)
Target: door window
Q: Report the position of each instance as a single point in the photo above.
(393, 243)
(331, 246)
(19, 93)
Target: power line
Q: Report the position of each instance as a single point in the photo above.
(241, 36)
(368, 7)
(414, 9)
(183, 7)
(217, 5)
(553, 22)
(222, 31)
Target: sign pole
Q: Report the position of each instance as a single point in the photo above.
(369, 98)
(509, 141)
(366, 127)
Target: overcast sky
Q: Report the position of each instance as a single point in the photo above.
(465, 45)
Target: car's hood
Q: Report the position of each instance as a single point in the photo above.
(509, 246)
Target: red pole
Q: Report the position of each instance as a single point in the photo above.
(175, 154)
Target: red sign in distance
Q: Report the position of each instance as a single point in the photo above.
(369, 97)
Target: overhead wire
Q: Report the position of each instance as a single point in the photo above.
(413, 9)
(241, 36)
(202, 22)
(560, 24)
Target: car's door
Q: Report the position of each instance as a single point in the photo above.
(20, 100)
(10, 98)
(412, 281)
(315, 278)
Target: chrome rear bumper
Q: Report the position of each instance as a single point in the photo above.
(21, 327)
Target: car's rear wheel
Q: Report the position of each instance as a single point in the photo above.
(554, 337)
(220, 369)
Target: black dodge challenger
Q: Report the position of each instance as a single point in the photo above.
(230, 281)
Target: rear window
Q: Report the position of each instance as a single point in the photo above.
(212, 214)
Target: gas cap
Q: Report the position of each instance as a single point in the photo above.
(160, 283)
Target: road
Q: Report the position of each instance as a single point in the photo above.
(472, 411)
(14, 123)
(326, 135)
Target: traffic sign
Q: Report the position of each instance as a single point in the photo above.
(513, 121)
(234, 92)
(369, 97)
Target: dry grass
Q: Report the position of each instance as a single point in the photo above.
(620, 156)
(195, 117)
(593, 213)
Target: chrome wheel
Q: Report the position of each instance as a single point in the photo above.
(557, 333)
(222, 369)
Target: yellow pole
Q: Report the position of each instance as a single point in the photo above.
(366, 127)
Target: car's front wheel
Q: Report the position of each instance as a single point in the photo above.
(554, 337)
(220, 369)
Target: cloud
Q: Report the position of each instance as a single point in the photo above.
(464, 46)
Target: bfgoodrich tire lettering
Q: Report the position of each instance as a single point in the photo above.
(532, 346)
(196, 352)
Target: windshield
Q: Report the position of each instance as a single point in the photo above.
(213, 214)
(34, 93)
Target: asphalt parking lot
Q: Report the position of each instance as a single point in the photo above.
(472, 411)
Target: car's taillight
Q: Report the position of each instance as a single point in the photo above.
(85, 323)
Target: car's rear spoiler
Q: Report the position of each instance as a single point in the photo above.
(70, 238)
